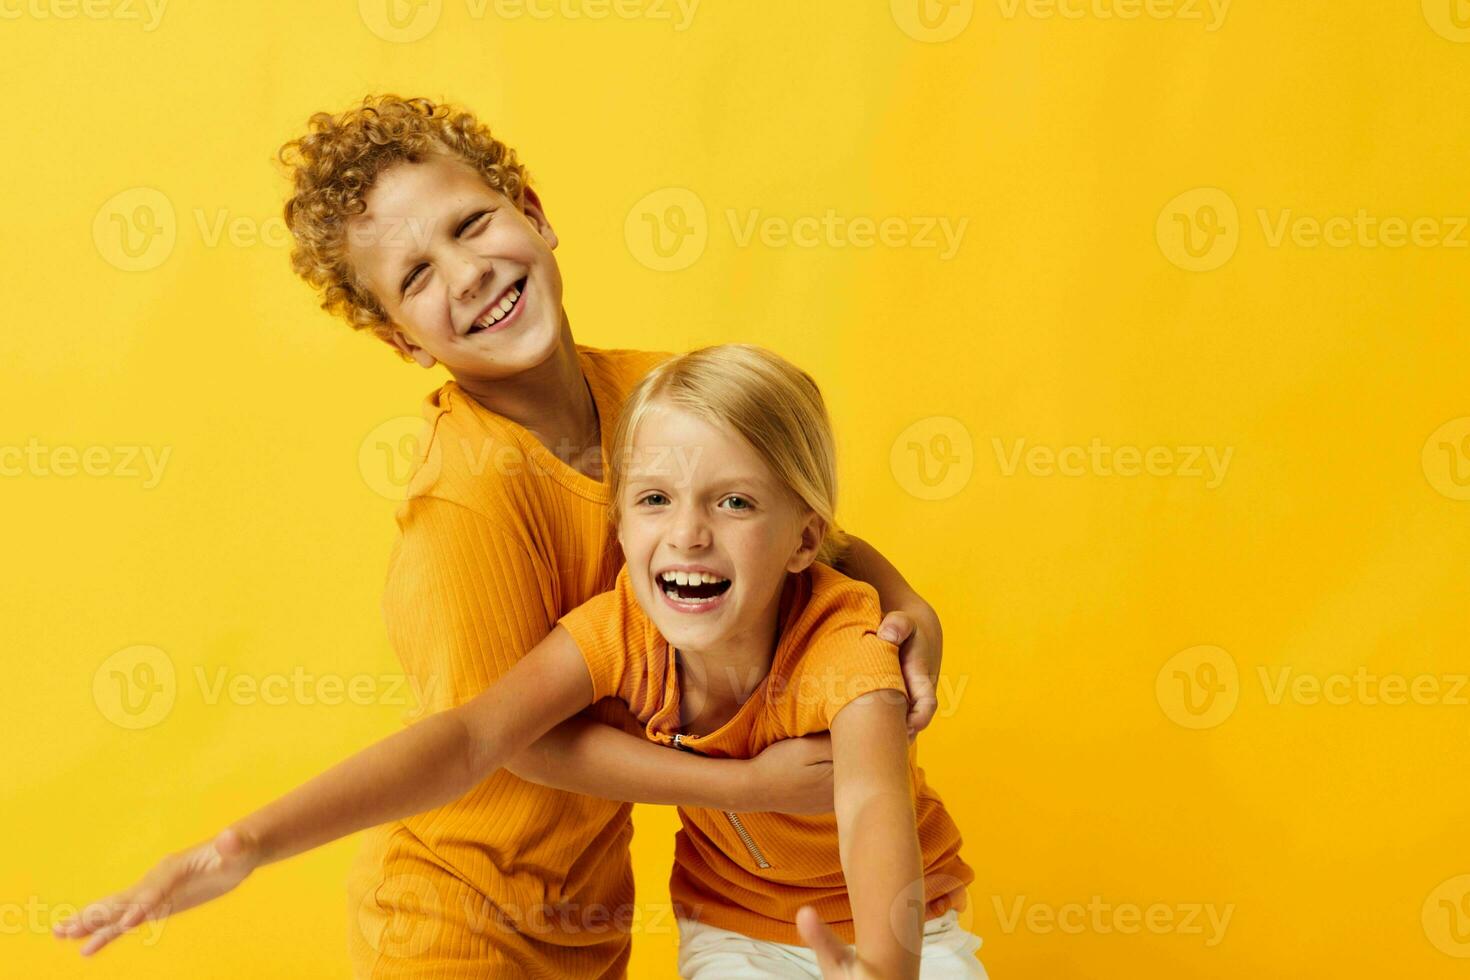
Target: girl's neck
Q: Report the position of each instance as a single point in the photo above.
(552, 401)
(715, 683)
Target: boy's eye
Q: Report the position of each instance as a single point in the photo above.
(413, 277)
(469, 223)
(472, 221)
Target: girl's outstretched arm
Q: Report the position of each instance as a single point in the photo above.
(879, 845)
(426, 765)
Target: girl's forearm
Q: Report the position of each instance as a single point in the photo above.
(885, 884)
(422, 767)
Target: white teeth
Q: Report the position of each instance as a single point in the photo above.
(498, 312)
(690, 578)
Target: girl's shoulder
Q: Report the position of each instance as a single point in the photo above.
(829, 652)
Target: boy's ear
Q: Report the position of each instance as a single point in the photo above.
(399, 340)
(536, 213)
(812, 533)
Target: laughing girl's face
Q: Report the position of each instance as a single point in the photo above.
(468, 279)
(709, 532)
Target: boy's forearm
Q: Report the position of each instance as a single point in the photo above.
(582, 755)
(420, 768)
(865, 563)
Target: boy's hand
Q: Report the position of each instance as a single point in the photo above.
(920, 650)
(793, 775)
(178, 882)
(837, 960)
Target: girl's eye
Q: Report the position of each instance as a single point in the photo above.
(744, 504)
(653, 498)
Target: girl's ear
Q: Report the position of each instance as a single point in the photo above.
(421, 357)
(813, 530)
(535, 212)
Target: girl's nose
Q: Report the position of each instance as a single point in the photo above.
(689, 529)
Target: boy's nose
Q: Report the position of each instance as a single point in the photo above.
(469, 274)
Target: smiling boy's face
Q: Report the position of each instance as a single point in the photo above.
(698, 498)
(468, 279)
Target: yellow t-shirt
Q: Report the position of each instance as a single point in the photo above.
(750, 872)
(499, 538)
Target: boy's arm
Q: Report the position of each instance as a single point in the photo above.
(583, 755)
(424, 766)
(464, 601)
(878, 843)
(908, 621)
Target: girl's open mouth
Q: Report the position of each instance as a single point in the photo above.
(693, 591)
(502, 312)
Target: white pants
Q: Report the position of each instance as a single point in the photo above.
(711, 953)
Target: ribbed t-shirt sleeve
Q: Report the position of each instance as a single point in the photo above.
(608, 629)
(843, 657)
(464, 600)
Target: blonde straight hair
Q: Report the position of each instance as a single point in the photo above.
(772, 404)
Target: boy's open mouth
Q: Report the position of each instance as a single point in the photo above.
(693, 587)
(501, 309)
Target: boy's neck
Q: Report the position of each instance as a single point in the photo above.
(552, 401)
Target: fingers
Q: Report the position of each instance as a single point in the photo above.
(834, 957)
(896, 627)
(106, 919)
(923, 699)
(130, 918)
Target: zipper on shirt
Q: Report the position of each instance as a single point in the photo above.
(734, 818)
(748, 841)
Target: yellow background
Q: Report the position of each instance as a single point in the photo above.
(1070, 751)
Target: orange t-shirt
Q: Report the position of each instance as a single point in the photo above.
(750, 872)
(498, 538)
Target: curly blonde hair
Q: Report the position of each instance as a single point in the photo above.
(334, 166)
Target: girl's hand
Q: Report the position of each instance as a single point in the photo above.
(794, 775)
(178, 882)
(837, 960)
(920, 649)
